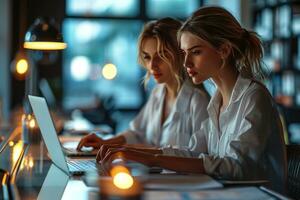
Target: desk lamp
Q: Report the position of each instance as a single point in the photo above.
(42, 36)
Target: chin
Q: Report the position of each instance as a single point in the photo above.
(158, 81)
(197, 81)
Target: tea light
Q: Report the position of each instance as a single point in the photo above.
(121, 185)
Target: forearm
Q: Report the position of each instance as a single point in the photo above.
(145, 149)
(180, 164)
(116, 140)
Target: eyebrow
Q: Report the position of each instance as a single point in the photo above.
(195, 46)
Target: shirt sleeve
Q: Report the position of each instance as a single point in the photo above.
(197, 144)
(137, 127)
(246, 148)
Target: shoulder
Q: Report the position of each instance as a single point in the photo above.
(258, 91)
(196, 94)
(258, 96)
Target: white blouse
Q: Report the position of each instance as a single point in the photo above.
(183, 121)
(246, 141)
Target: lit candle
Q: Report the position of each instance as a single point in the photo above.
(121, 185)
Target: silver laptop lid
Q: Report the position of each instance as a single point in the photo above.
(54, 184)
(44, 120)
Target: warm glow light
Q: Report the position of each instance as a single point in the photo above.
(11, 143)
(123, 180)
(22, 66)
(16, 151)
(121, 177)
(32, 123)
(30, 162)
(45, 45)
(109, 71)
(118, 169)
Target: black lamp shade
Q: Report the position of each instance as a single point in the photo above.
(43, 35)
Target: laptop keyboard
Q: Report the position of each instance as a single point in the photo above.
(82, 165)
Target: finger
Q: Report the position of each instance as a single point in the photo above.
(80, 144)
(98, 157)
(92, 138)
(83, 141)
(106, 158)
(106, 147)
(103, 150)
(113, 154)
(93, 144)
(108, 154)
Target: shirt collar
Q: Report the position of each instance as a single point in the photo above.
(239, 89)
(183, 97)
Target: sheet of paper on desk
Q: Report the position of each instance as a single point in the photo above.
(236, 193)
(180, 182)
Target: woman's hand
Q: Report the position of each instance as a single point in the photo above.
(91, 140)
(104, 149)
(94, 141)
(108, 147)
(127, 154)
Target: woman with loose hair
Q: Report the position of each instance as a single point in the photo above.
(243, 135)
(175, 107)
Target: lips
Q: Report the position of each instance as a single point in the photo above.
(157, 75)
(191, 72)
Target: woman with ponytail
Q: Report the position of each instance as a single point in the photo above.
(243, 134)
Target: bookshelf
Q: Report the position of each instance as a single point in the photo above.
(278, 24)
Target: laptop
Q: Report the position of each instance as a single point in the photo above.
(71, 166)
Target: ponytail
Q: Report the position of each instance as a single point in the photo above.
(250, 63)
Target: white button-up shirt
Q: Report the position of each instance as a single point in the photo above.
(246, 141)
(183, 121)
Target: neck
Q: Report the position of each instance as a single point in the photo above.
(225, 81)
(172, 89)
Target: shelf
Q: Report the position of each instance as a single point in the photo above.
(281, 71)
(279, 25)
(259, 8)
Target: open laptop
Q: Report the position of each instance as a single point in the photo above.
(49, 134)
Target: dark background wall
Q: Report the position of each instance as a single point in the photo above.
(23, 14)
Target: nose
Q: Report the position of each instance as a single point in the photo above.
(154, 63)
(187, 61)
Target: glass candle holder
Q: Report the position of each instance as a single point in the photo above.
(123, 183)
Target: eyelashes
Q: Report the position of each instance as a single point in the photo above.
(196, 52)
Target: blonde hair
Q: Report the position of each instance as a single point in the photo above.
(218, 26)
(165, 32)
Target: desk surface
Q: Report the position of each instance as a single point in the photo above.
(30, 167)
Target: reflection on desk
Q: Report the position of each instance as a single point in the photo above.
(54, 184)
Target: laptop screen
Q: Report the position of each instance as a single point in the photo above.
(44, 120)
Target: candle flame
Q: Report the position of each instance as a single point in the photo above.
(123, 180)
(32, 123)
